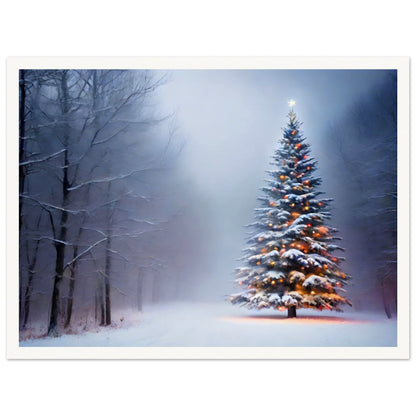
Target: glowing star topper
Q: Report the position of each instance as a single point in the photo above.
(291, 103)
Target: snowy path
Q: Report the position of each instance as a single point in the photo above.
(219, 325)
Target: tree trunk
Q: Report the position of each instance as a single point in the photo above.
(70, 303)
(155, 282)
(291, 312)
(102, 305)
(140, 291)
(22, 132)
(107, 272)
(29, 286)
(63, 224)
(385, 302)
(59, 269)
(26, 301)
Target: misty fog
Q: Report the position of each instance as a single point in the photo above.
(135, 186)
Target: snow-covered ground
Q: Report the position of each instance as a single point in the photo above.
(222, 325)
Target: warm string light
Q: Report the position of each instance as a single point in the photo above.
(322, 229)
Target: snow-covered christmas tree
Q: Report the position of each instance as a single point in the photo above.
(290, 261)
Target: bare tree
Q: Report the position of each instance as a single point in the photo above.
(81, 116)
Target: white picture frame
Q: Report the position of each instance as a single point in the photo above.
(401, 351)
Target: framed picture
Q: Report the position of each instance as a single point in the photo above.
(215, 208)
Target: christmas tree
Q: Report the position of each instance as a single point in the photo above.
(290, 261)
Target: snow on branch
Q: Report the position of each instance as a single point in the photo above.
(109, 179)
(47, 206)
(55, 240)
(86, 251)
(43, 159)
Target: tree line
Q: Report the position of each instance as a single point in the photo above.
(95, 174)
(364, 142)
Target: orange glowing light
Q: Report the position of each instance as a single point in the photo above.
(320, 204)
(295, 214)
(298, 145)
(282, 177)
(272, 263)
(305, 157)
(292, 205)
(281, 280)
(325, 266)
(322, 229)
(293, 132)
(307, 182)
(271, 203)
(273, 282)
(274, 189)
(281, 308)
(240, 283)
(334, 259)
(260, 239)
(286, 197)
(263, 250)
(306, 208)
(308, 168)
(270, 224)
(312, 293)
(258, 263)
(309, 225)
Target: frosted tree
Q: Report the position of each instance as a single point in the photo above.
(290, 261)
